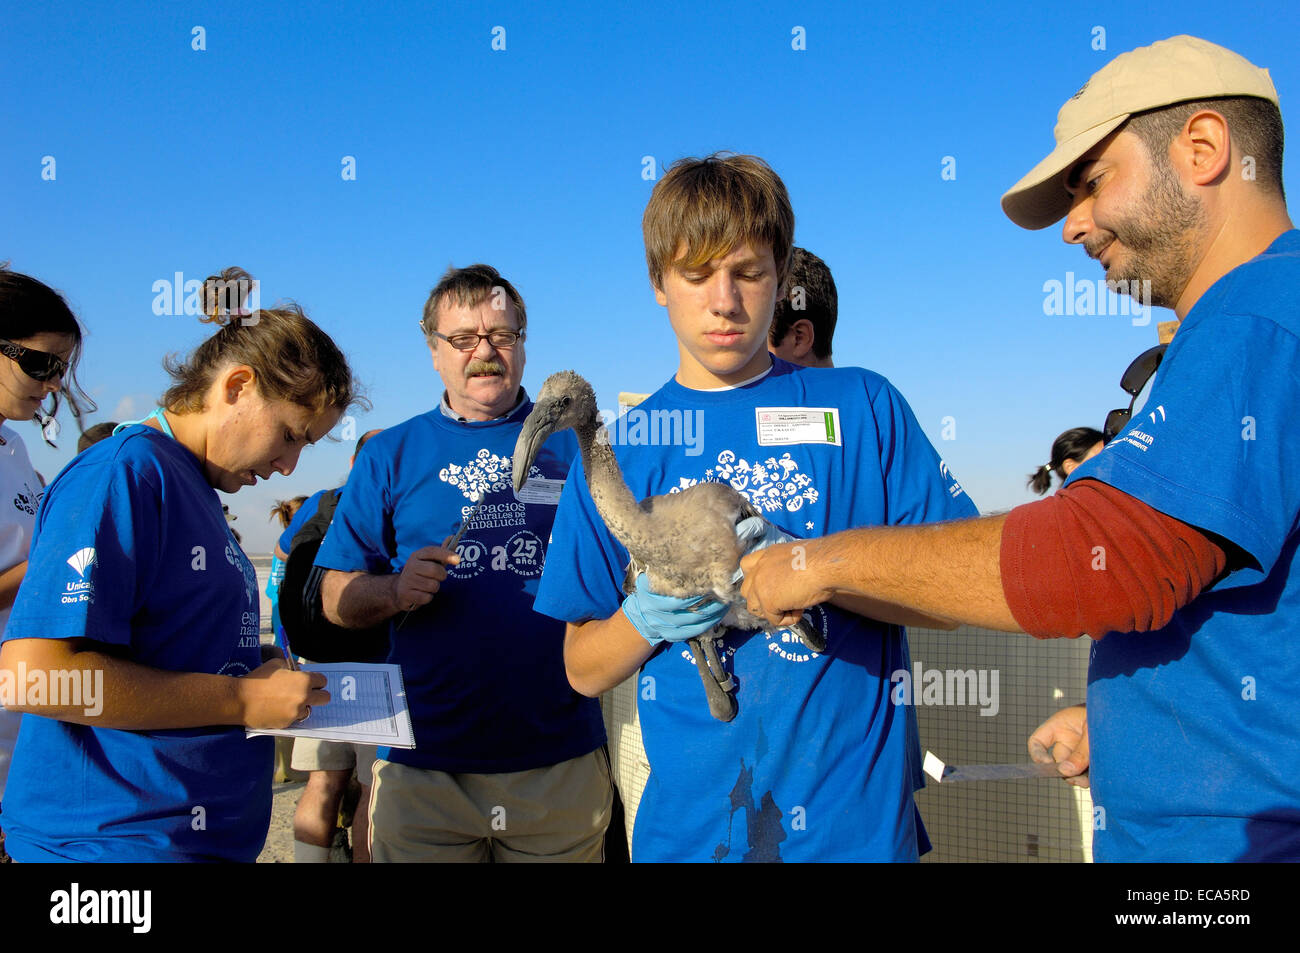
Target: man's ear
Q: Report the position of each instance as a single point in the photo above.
(1203, 150)
(804, 337)
(659, 295)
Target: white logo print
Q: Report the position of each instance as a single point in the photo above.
(486, 473)
(81, 560)
(954, 488)
(83, 590)
(774, 484)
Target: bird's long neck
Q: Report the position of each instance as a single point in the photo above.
(609, 491)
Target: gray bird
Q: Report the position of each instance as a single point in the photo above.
(684, 542)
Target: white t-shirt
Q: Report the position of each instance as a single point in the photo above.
(20, 495)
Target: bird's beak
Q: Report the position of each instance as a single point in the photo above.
(539, 425)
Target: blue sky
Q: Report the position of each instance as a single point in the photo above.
(169, 159)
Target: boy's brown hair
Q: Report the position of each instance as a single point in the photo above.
(713, 205)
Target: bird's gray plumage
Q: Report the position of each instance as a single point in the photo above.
(684, 542)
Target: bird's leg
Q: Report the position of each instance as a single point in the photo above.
(718, 685)
(809, 635)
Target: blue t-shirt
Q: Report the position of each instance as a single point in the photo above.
(484, 673)
(133, 551)
(818, 763)
(1194, 743)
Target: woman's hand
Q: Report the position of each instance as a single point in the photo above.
(272, 696)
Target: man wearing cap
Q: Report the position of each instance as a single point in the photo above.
(1176, 542)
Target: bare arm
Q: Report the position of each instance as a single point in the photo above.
(10, 579)
(947, 571)
(603, 652)
(884, 612)
(117, 693)
(358, 600)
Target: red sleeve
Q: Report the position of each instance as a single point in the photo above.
(1092, 560)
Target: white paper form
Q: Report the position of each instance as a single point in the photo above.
(367, 706)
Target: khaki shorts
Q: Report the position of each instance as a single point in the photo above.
(312, 754)
(553, 814)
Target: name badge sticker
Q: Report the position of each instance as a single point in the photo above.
(782, 426)
(540, 490)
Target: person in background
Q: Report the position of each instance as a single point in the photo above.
(330, 765)
(1068, 451)
(284, 511)
(41, 343)
(136, 585)
(509, 764)
(803, 324)
(95, 433)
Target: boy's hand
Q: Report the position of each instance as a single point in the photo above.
(755, 533)
(1063, 738)
(667, 618)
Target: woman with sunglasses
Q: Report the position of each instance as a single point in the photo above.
(139, 595)
(39, 340)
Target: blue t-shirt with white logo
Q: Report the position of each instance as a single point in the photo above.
(132, 551)
(818, 763)
(1194, 742)
(484, 673)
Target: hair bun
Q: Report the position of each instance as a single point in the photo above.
(225, 296)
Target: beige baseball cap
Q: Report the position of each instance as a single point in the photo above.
(1175, 70)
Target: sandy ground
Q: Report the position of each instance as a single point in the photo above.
(279, 840)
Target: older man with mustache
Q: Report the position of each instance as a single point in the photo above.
(509, 763)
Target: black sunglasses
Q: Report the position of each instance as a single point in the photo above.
(38, 365)
(1134, 379)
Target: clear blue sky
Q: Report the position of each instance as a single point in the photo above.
(170, 159)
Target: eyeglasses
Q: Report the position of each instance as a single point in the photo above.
(1133, 381)
(38, 365)
(468, 341)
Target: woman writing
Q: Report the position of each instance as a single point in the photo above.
(136, 591)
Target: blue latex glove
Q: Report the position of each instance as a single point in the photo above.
(667, 618)
(756, 533)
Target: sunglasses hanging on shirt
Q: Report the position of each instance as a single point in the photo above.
(1133, 381)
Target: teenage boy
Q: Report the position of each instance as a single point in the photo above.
(819, 763)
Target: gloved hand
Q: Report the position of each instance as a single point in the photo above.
(756, 533)
(668, 618)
